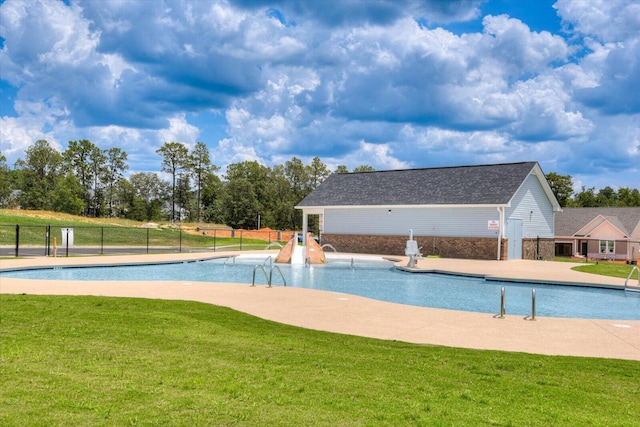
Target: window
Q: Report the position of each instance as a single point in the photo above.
(607, 246)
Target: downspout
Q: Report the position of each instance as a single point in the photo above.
(305, 226)
(500, 231)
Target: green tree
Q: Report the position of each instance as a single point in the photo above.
(363, 168)
(607, 197)
(628, 197)
(299, 183)
(98, 162)
(318, 172)
(115, 166)
(586, 198)
(239, 204)
(184, 197)
(562, 187)
(282, 206)
(38, 173)
(202, 170)
(298, 176)
(148, 196)
(212, 189)
(84, 160)
(175, 158)
(341, 169)
(5, 182)
(68, 195)
(255, 176)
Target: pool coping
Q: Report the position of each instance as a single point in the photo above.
(348, 314)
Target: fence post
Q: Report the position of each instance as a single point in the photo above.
(240, 239)
(17, 239)
(214, 239)
(180, 248)
(101, 240)
(47, 240)
(147, 240)
(67, 251)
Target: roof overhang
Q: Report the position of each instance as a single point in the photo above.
(311, 208)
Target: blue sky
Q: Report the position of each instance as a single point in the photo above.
(390, 83)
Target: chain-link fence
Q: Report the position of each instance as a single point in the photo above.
(49, 240)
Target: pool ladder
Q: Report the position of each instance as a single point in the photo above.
(503, 310)
(626, 286)
(270, 277)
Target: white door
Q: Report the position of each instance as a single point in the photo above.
(514, 236)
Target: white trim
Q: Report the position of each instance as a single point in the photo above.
(318, 209)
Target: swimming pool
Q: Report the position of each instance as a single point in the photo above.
(374, 278)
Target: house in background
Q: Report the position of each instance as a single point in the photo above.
(499, 211)
(598, 233)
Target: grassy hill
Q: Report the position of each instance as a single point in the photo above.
(113, 232)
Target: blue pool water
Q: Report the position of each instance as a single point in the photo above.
(379, 280)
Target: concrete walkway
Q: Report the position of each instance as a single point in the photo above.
(349, 314)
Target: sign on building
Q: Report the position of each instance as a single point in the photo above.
(493, 224)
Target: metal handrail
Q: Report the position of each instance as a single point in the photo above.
(502, 307)
(329, 245)
(275, 267)
(533, 304)
(626, 288)
(269, 260)
(273, 244)
(228, 258)
(258, 266)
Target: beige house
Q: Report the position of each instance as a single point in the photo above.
(598, 233)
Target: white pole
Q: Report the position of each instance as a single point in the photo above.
(501, 225)
(305, 226)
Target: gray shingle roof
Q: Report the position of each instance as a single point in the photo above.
(571, 220)
(460, 185)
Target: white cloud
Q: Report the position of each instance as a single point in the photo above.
(35, 120)
(608, 20)
(355, 83)
(518, 48)
(179, 130)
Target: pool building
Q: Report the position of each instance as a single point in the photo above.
(498, 211)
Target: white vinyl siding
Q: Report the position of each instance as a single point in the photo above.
(531, 205)
(432, 221)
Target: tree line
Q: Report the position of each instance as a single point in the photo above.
(562, 187)
(86, 180)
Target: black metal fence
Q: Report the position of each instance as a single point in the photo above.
(49, 240)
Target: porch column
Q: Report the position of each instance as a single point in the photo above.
(305, 226)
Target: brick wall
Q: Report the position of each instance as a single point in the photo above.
(545, 248)
(446, 247)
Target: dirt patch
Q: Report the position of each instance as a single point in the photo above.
(265, 234)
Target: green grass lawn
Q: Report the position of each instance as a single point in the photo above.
(96, 361)
(602, 268)
(608, 269)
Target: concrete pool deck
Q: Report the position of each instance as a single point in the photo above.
(353, 315)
